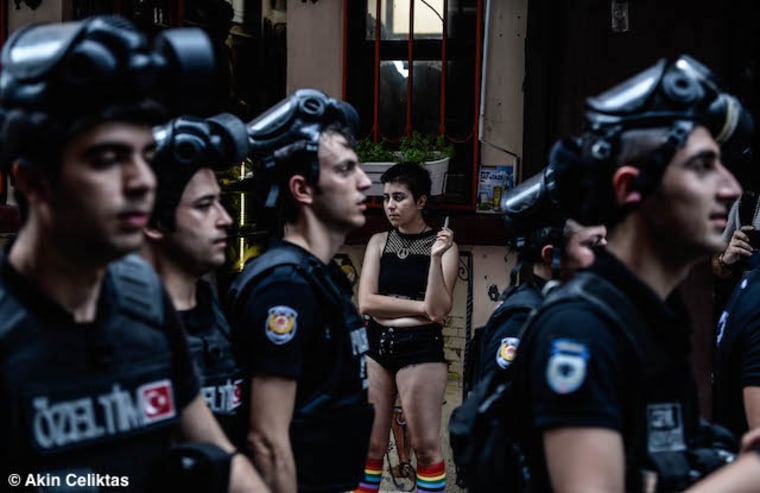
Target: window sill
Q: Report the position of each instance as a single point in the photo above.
(469, 228)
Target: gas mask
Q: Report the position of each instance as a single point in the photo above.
(217, 142)
(292, 128)
(672, 96)
(72, 67)
(531, 205)
(185, 145)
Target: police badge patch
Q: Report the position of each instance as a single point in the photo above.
(506, 352)
(281, 324)
(566, 369)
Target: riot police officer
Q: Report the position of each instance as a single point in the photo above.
(293, 322)
(611, 398)
(736, 385)
(549, 246)
(186, 239)
(96, 376)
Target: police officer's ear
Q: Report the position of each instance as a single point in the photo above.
(546, 253)
(154, 233)
(300, 189)
(625, 186)
(31, 182)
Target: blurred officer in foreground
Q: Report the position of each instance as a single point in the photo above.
(293, 323)
(186, 240)
(612, 400)
(96, 378)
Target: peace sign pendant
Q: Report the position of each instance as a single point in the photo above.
(402, 253)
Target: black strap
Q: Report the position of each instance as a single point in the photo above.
(138, 289)
(323, 286)
(616, 307)
(11, 313)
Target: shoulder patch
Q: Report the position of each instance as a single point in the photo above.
(722, 326)
(566, 368)
(281, 324)
(506, 352)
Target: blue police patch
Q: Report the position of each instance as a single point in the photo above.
(281, 324)
(566, 368)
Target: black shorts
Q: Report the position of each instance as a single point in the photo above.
(396, 348)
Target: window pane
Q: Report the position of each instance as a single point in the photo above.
(392, 98)
(394, 19)
(426, 100)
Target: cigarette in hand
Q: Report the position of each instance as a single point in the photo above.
(446, 222)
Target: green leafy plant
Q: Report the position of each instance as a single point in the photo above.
(371, 152)
(421, 148)
(418, 148)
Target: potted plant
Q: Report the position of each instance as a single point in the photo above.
(374, 152)
(430, 151)
(376, 158)
(423, 149)
(433, 152)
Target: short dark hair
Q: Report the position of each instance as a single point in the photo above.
(413, 175)
(298, 161)
(171, 181)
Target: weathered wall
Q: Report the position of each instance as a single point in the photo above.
(315, 46)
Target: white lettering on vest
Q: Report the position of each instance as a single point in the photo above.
(73, 421)
(223, 398)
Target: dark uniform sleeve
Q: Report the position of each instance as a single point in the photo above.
(576, 370)
(278, 316)
(750, 367)
(499, 346)
(185, 376)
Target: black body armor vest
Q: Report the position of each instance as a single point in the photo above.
(88, 400)
(330, 430)
(222, 379)
(663, 438)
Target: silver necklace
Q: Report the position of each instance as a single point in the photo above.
(404, 251)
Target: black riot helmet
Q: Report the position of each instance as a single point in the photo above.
(78, 66)
(186, 144)
(59, 79)
(530, 205)
(673, 96)
(287, 135)
(533, 219)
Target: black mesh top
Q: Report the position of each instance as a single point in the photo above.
(404, 264)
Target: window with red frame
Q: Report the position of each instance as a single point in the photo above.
(414, 65)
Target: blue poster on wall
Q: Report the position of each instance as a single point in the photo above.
(493, 181)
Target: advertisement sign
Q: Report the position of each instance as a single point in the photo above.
(493, 181)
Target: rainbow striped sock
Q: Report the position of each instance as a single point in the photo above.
(373, 474)
(431, 479)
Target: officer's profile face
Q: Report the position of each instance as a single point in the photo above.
(340, 199)
(199, 239)
(104, 194)
(688, 211)
(580, 242)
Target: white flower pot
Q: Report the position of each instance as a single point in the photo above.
(437, 169)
